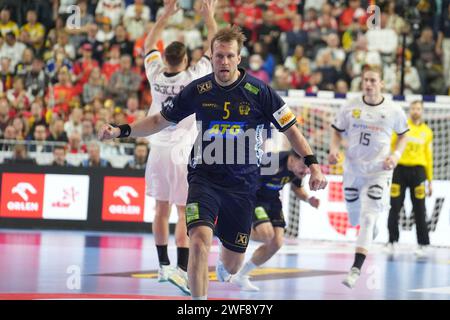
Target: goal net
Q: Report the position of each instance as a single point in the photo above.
(315, 115)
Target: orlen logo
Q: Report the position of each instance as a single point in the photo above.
(22, 195)
(123, 199)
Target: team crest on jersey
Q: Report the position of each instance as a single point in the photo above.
(356, 113)
(244, 108)
(204, 87)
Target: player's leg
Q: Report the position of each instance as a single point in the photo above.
(398, 189)
(233, 228)
(374, 200)
(418, 194)
(201, 212)
(352, 190)
(160, 228)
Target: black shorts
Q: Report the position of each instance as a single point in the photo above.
(268, 210)
(228, 213)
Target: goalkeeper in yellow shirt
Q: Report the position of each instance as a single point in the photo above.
(414, 167)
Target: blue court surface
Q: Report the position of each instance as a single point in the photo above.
(90, 265)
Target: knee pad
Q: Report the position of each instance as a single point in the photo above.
(419, 192)
(395, 190)
(367, 226)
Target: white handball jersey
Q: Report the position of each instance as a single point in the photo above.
(368, 130)
(164, 87)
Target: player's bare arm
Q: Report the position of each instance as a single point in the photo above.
(208, 10)
(391, 161)
(170, 8)
(336, 140)
(143, 128)
(301, 193)
(301, 146)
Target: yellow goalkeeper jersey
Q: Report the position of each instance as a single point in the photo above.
(419, 147)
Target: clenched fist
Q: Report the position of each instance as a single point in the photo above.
(107, 131)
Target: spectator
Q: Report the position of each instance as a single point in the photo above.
(326, 23)
(106, 31)
(354, 13)
(87, 131)
(281, 79)
(113, 9)
(291, 62)
(61, 94)
(20, 124)
(255, 64)
(10, 133)
(58, 61)
(78, 35)
(95, 87)
(270, 31)
(337, 54)
(12, 49)
(24, 65)
(75, 146)
(269, 59)
(20, 156)
(135, 23)
(94, 159)
(39, 139)
(62, 41)
(132, 109)
(33, 32)
(57, 132)
(36, 118)
(293, 38)
(4, 114)
(327, 67)
(120, 39)
(98, 47)
(83, 67)
(140, 157)
(392, 76)
(59, 157)
(301, 76)
(6, 74)
(123, 82)
(35, 79)
(6, 24)
(341, 87)
(383, 39)
(443, 44)
(176, 20)
(74, 123)
(17, 96)
(138, 9)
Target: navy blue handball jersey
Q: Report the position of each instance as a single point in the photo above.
(233, 123)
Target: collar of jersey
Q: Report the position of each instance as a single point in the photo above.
(234, 84)
(370, 104)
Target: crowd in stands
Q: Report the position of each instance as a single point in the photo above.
(68, 66)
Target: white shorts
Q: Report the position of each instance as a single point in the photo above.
(166, 177)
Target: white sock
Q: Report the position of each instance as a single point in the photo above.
(200, 298)
(247, 268)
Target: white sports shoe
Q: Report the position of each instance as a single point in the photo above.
(221, 273)
(243, 281)
(420, 252)
(164, 273)
(351, 278)
(179, 278)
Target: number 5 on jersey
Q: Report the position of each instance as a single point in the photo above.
(227, 111)
(364, 138)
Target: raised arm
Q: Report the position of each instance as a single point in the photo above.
(170, 8)
(208, 10)
(301, 146)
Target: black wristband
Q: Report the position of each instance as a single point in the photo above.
(310, 159)
(125, 130)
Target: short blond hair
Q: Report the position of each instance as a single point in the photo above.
(228, 34)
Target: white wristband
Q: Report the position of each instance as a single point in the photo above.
(397, 154)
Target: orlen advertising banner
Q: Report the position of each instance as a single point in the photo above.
(124, 199)
(330, 221)
(44, 196)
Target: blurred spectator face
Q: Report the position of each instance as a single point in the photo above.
(299, 51)
(10, 133)
(5, 64)
(132, 104)
(89, 116)
(93, 152)
(119, 117)
(125, 62)
(255, 62)
(4, 110)
(316, 78)
(63, 76)
(427, 35)
(59, 155)
(341, 87)
(304, 66)
(36, 110)
(31, 16)
(114, 53)
(92, 30)
(40, 133)
(20, 151)
(120, 33)
(140, 153)
(86, 50)
(354, 4)
(58, 127)
(87, 129)
(76, 115)
(95, 74)
(5, 15)
(75, 140)
(18, 84)
(37, 66)
(10, 39)
(333, 40)
(19, 125)
(27, 56)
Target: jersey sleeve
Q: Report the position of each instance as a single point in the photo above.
(181, 106)
(201, 68)
(401, 122)
(340, 123)
(276, 110)
(297, 182)
(153, 65)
